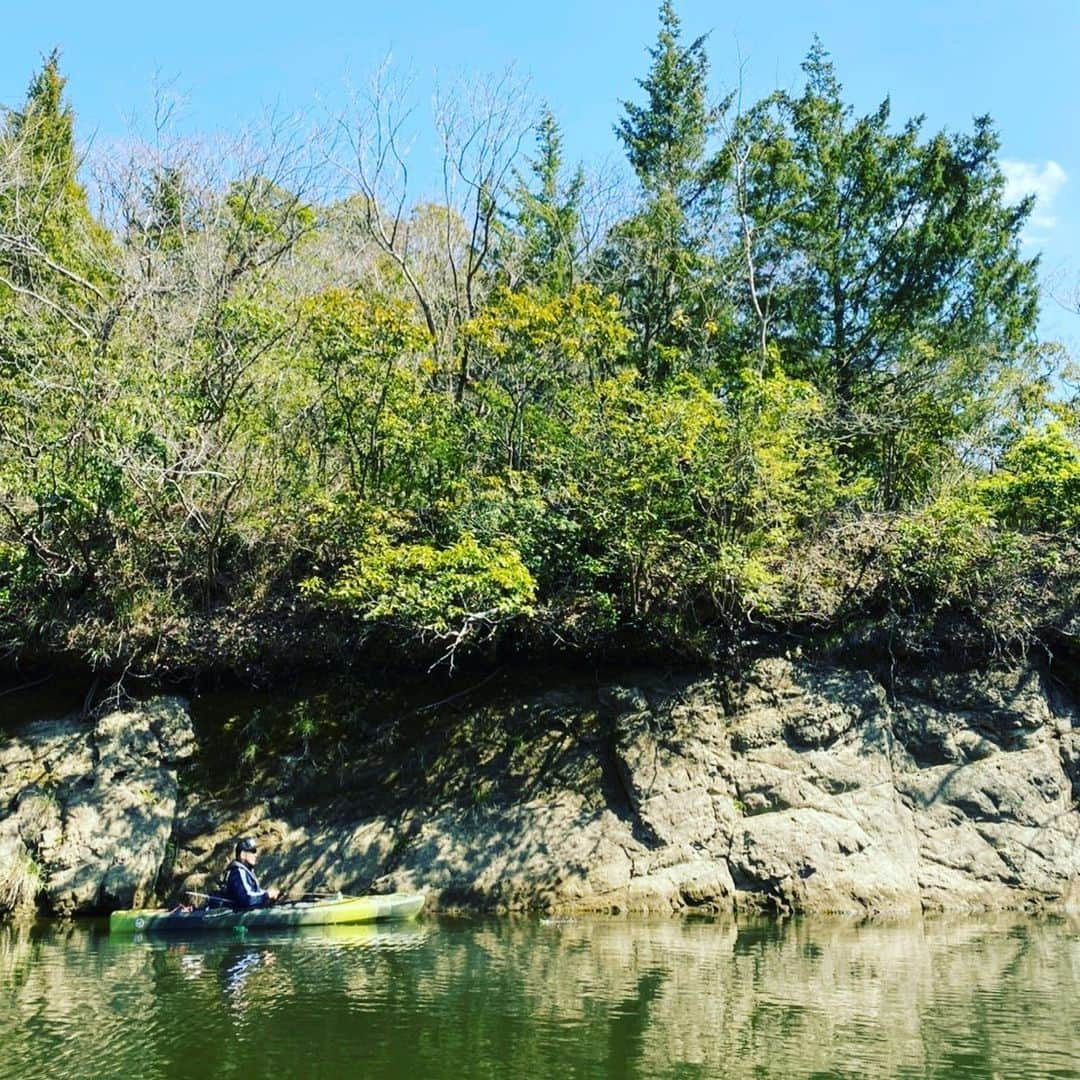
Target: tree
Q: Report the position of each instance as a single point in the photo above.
(59, 493)
(882, 262)
(480, 127)
(657, 259)
(665, 139)
(362, 349)
(1037, 487)
(53, 254)
(871, 241)
(547, 217)
(530, 344)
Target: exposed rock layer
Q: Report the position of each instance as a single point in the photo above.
(86, 813)
(807, 790)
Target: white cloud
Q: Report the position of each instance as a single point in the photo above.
(1023, 178)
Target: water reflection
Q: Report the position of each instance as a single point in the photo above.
(989, 997)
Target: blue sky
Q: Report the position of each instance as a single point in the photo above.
(949, 59)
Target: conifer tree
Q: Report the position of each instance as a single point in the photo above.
(871, 241)
(657, 260)
(882, 266)
(665, 138)
(53, 252)
(548, 213)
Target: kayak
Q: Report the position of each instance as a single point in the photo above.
(321, 912)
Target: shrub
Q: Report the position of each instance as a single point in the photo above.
(463, 591)
(1037, 488)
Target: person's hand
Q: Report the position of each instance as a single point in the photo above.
(272, 893)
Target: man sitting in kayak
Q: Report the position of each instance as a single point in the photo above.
(241, 885)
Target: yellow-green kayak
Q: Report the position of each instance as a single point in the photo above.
(321, 912)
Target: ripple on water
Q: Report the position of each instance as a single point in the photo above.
(966, 998)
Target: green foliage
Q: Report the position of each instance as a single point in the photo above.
(657, 259)
(529, 344)
(46, 199)
(170, 211)
(940, 552)
(248, 426)
(683, 507)
(655, 262)
(368, 360)
(350, 327)
(665, 138)
(548, 217)
(14, 569)
(441, 591)
(954, 580)
(1037, 487)
(885, 267)
(54, 256)
(873, 240)
(263, 211)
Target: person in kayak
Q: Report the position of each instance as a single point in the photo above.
(241, 885)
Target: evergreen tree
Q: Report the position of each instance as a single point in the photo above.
(665, 138)
(887, 266)
(548, 215)
(54, 253)
(657, 260)
(168, 212)
(871, 242)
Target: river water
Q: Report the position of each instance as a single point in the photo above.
(997, 996)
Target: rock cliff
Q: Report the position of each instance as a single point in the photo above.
(86, 813)
(804, 789)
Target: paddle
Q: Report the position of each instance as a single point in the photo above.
(310, 897)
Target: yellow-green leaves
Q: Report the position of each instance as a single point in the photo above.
(423, 588)
(688, 497)
(544, 336)
(364, 357)
(1037, 488)
(940, 550)
(350, 327)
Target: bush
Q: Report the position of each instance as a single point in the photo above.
(1037, 488)
(940, 552)
(678, 504)
(462, 591)
(955, 578)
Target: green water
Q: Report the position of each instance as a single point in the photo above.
(993, 997)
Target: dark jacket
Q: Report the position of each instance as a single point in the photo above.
(241, 886)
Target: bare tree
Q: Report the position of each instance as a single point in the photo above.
(441, 248)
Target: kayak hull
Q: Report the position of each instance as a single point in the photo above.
(346, 909)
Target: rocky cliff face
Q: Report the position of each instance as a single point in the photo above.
(807, 789)
(86, 813)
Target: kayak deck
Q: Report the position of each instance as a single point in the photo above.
(323, 912)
